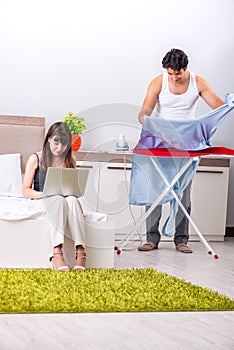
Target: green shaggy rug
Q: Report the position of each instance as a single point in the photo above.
(104, 290)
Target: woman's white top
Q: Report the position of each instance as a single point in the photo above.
(181, 106)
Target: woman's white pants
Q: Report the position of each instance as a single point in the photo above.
(65, 218)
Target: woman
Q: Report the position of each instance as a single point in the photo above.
(65, 214)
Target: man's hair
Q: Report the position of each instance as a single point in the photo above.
(175, 59)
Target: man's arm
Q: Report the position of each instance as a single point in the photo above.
(150, 100)
(208, 95)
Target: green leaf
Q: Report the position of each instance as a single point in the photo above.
(75, 123)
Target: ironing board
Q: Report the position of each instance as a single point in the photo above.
(173, 152)
(157, 143)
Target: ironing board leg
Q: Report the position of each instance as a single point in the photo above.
(125, 240)
(202, 239)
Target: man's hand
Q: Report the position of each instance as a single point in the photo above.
(141, 117)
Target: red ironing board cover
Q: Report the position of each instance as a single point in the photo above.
(174, 152)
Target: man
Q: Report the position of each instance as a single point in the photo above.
(174, 94)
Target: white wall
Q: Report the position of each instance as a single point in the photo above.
(92, 56)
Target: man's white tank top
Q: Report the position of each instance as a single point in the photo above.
(180, 106)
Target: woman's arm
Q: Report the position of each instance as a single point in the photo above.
(73, 160)
(30, 170)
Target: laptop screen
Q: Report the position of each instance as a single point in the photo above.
(65, 182)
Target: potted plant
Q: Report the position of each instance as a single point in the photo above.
(76, 125)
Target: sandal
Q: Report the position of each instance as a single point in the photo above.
(56, 266)
(80, 260)
(147, 247)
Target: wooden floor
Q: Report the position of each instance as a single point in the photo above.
(176, 330)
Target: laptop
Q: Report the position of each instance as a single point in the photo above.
(65, 182)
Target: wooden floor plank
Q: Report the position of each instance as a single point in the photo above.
(190, 330)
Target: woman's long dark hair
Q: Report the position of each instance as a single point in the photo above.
(63, 134)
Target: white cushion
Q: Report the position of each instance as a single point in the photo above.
(10, 174)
